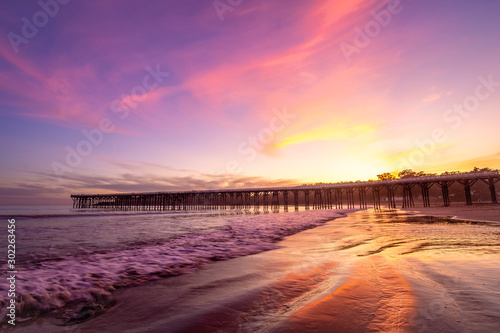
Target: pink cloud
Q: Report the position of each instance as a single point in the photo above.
(260, 74)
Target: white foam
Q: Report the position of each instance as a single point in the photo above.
(49, 285)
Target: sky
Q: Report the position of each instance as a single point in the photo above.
(131, 96)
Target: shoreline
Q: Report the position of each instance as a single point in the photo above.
(478, 212)
(313, 280)
(276, 232)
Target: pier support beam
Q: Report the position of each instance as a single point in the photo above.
(424, 187)
(376, 197)
(491, 185)
(247, 203)
(296, 200)
(338, 198)
(445, 185)
(275, 205)
(467, 185)
(256, 202)
(306, 197)
(265, 204)
(318, 199)
(362, 197)
(391, 197)
(329, 198)
(408, 196)
(285, 201)
(350, 197)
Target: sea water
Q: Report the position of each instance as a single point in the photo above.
(66, 258)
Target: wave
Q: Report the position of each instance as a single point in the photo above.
(94, 213)
(50, 285)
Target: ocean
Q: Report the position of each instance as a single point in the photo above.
(306, 271)
(74, 259)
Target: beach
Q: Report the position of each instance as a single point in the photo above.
(233, 166)
(370, 271)
(476, 212)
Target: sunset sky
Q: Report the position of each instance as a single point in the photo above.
(130, 96)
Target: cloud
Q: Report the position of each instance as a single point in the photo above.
(37, 192)
(75, 89)
(128, 182)
(329, 133)
(28, 193)
(486, 161)
(139, 165)
(432, 97)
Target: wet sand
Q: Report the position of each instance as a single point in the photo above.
(482, 212)
(368, 272)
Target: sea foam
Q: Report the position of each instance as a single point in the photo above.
(48, 284)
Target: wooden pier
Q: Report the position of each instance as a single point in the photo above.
(338, 196)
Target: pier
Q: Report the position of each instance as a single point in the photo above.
(326, 196)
